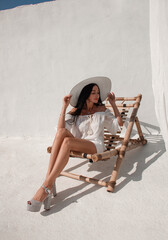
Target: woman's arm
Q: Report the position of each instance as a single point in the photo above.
(111, 98)
(61, 121)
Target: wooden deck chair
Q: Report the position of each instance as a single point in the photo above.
(116, 144)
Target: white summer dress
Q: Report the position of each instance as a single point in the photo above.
(91, 127)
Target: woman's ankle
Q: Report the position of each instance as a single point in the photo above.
(48, 184)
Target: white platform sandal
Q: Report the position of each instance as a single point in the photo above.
(54, 190)
(35, 206)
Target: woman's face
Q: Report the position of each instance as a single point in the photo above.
(94, 95)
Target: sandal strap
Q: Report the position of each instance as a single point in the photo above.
(46, 189)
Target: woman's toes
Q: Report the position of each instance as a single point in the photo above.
(29, 202)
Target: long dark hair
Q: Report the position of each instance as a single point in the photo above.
(85, 93)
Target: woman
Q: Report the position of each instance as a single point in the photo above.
(82, 130)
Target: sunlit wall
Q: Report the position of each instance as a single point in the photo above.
(47, 48)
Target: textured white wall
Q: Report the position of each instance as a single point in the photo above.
(47, 48)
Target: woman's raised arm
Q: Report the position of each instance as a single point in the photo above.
(61, 121)
(111, 98)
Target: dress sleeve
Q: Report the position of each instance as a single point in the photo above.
(111, 122)
(69, 121)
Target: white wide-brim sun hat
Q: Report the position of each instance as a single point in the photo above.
(104, 84)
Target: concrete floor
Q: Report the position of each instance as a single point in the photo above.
(138, 208)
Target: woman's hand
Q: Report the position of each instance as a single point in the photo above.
(66, 100)
(111, 97)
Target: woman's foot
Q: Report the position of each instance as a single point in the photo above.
(42, 195)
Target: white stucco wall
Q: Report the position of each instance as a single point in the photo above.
(47, 48)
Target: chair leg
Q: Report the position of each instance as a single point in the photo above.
(143, 140)
(54, 190)
(112, 182)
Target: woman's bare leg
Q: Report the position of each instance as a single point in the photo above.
(60, 135)
(69, 143)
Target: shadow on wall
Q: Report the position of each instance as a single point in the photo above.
(134, 164)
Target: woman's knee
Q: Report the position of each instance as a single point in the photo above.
(67, 142)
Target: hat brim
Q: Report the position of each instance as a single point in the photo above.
(104, 84)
